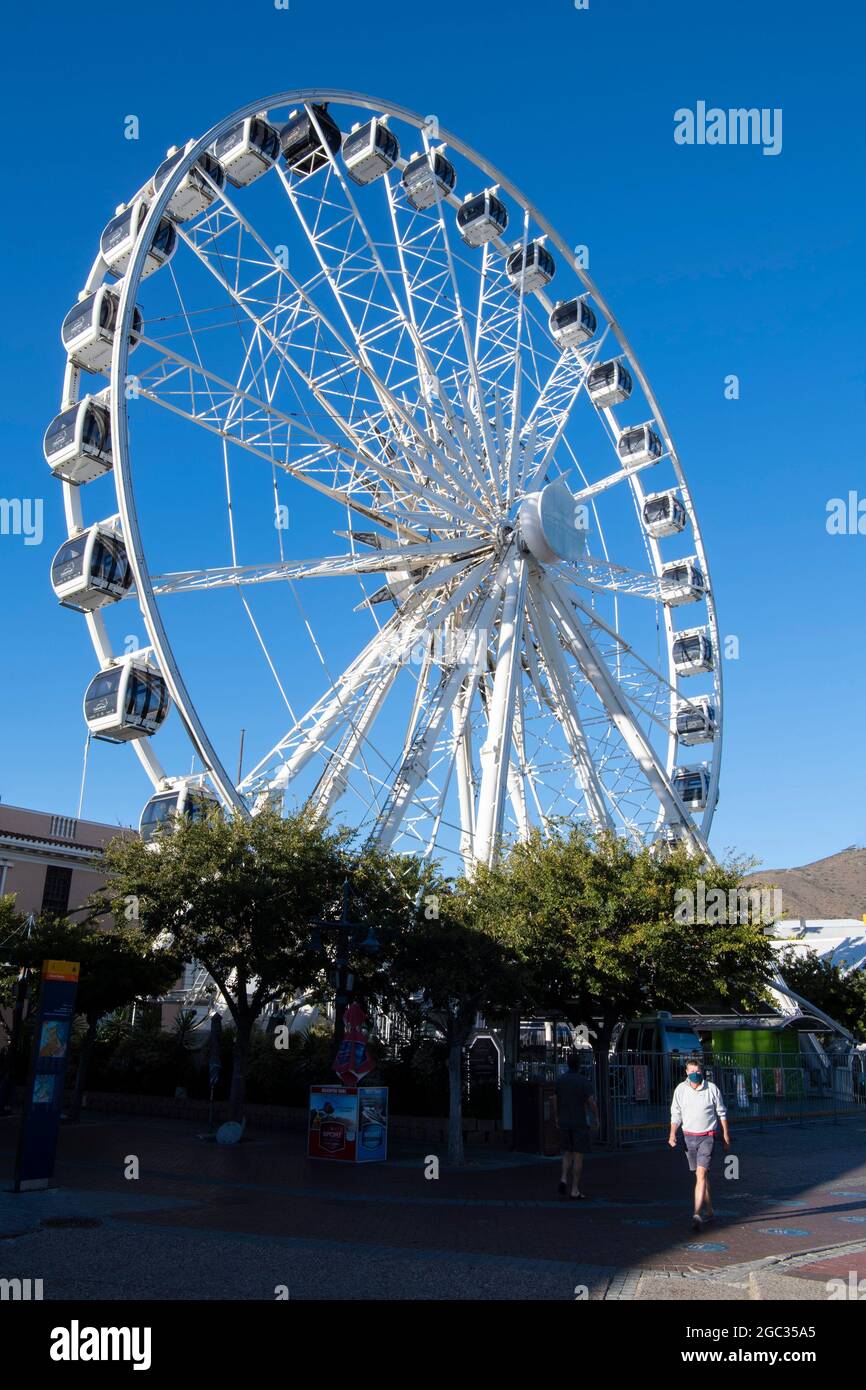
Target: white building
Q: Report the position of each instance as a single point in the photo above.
(841, 940)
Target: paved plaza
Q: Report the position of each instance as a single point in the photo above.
(260, 1221)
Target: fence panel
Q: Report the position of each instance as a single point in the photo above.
(758, 1088)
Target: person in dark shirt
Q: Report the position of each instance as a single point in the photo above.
(573, 1096)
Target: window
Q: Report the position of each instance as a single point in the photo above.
(55, 896)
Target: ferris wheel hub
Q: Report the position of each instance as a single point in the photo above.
(549, 524)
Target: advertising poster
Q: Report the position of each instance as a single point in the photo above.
(742, 1095)
(348, 1123)
(333, 1131)
(372, 1123)
(40, 1124)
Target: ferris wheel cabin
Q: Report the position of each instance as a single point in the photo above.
(481, 217)
(608, 383)
(247, 151)
(682, 581)
(77, 443)
(572, 322)
(117, 242)
(304, 150)
(427, 176)
(663, 514)
(370, 150)
(197, 189)
(639, 444)
(692, 652)
(87, 332)
(696, 721)
(91, 569)
(530, 267)
(692, 786)
(190, 803)
(125, 702)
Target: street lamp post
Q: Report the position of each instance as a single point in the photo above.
(347, 934)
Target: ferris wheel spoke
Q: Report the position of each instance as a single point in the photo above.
(496, 751)
(234, 414)
(309, 734)
(609, 693)
(391, 647)
(552, 411)
(601, 576)
(415, 765)
(282, 317)
(654, 680)
(352, 267)
(475, 395)
(329, 567)
(543, 627)
(612, 479)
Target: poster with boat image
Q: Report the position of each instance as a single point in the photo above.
(348, 1123)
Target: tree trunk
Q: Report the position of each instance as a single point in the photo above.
(81, 1074)
(240, 1063)
(455, 1103)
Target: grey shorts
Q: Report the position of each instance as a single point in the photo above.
(699, 1149)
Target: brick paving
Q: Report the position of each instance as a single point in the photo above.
(204, 1220)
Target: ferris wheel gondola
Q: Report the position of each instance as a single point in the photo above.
(481, 217)
(91, 569)
(127, 701)
(508, 655)
(426, 177)
(77, 443)
(87, 333)
(197, 189)
(370, 150)
(120, 237)
(531, 268)
(187, 800)
(248, 150)
(309, 138)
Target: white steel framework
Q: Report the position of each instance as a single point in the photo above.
(335, 344)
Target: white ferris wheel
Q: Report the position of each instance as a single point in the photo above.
(364, 447)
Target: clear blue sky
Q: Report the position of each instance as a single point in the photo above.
(717, 260)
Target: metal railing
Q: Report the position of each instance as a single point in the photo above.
(758, 1088)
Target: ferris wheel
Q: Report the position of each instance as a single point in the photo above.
(370, 462)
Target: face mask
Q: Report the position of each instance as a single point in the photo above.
(695, 1076)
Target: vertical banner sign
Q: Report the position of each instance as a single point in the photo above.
(43, 1101)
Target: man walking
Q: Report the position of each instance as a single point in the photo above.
(573, 1094)
(698, 1106)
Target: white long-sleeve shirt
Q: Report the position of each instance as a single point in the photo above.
(697, 1110)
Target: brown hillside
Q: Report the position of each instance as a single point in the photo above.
(831, 887)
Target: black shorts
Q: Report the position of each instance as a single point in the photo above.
(575, 1140)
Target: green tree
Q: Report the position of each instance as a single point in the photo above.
(454, 967)
(838, 992)
(118, 965)
(240, 897)
(595, 921)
